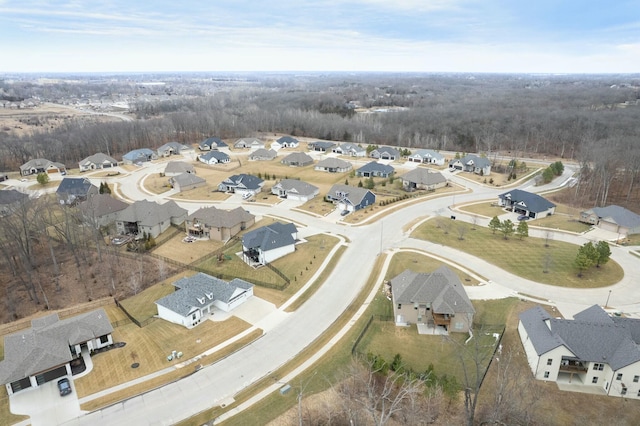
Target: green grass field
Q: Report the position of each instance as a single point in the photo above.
(527, 258)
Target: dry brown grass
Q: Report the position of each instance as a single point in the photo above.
(186, 253)
(149, 347)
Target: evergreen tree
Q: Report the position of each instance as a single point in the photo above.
(494, 225)
(43, 178)
(522, 230)
(507, 228)
(604, 252)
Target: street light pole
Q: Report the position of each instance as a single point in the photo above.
(608, 296)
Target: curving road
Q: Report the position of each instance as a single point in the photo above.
(289, 334)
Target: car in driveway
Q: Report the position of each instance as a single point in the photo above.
(523, 217)
(64, 387)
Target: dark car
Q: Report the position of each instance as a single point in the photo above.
(344, 212)
(523, 217)
(64, 386)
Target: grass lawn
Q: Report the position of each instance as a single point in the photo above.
(186, 253)
(149, 346)
(558, 258)
(421, 263)
(561, 221)
(487, 209)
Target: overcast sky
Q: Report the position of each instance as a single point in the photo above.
(531, 36)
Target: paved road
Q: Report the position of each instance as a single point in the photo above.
(216, 384)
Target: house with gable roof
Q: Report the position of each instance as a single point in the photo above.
(294, 189)
(321, 146)
(97, 161)
(43, 353)
(350, 198)
(350, 149)
(251, 143)
(212, 144)
(75, 190)
(186, 181)
(297, 159)
(241, 184)
(333, 165)
(385, 153)
(196, 297)
(148, 217)
(423, 178)
(268, 243)
(437, 300)
(285, 142)
(214, 157)
(472, 164)
(139, 156)
(10, 201)
(173, 148)
(101, 209)
(526, 203)
(427, 156)
(174, 168)
(217, 224)
(612, 218)
(593, 350)
(262, 154)
(375, 169)
(41, 165)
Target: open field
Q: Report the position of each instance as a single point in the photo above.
(557, 258)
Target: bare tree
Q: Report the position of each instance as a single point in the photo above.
(548, 237)
(462, 230)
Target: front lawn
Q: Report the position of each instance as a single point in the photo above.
(527, 258)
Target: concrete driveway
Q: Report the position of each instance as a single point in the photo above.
(45, 406)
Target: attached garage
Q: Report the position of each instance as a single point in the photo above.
(50, 375)
(609, 226)
(21, 384)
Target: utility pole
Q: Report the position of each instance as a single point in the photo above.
(607, 303)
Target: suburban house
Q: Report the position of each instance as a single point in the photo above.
(350, 149)
(101, 209)
(41, 165)
(526, 203)
(428, 156)
(421, 178)
(375, 169)
(385, 153)
(593, 350)
(186, 181)
(436, 299)
(10, 200)
(214, 157)
(472, 164)
(241, 184)
(297, 159)
(195, 297)
(294, 189)
(262, 154)
(333, 165)
(139, 156)
(43, 353)
(173, 148)
(216, 224)
(212, 144)
(252, 143)
(97, 161)
(175, 168)
(612, 218)
(285, 142)
(350, 198)
(321, 146)
(75, 190)
(268, 243)
(148, 217)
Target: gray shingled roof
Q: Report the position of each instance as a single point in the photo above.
(40, 163)
(243, 180)
(322, 144)
(297, 186)
(351, 147)
(210, 142)
(149, 213)
(184, 179)
(355, 195)
(46, 344)
(10, 196)
(423, 176)
(333, 163)
(479, 162)
(297, 158)
(374, 166)
(287, 139)
(442, 288)
(592, 336)
(425, 153)
(219, 156)
(218, 218)
(263, 153)
(200, 290)
(76, 187)
(388, 150)
(176, 146)
(101, 204)
(142, 154)
(619, 215)
(532, 202)
(179, 167)
(98, 158)
(270, 237)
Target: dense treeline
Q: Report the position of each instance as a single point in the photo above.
(593, 120)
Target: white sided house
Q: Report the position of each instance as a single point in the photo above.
(196, 297)
(271, 242)
(594, 350)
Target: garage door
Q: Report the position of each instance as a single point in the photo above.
(21, 384)
(608, 226)
(51, 375)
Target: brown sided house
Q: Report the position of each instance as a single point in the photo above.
(217, 224)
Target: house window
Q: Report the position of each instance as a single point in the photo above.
(104, 339)
(399, 305)
(546, 374)
(594, 380)
(623, 391)
(598, 367)
(619, 376)
(549, 361)
(193, 317)
(636, 379)
(639, 394)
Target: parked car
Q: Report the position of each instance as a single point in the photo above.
(344, 212)
(247, 195)
(523, 217)
(64, 386)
